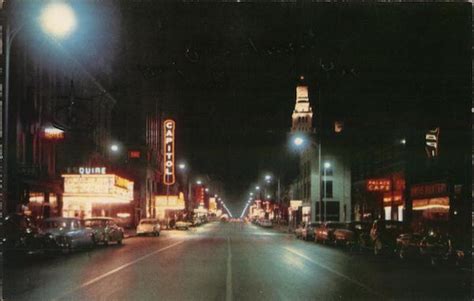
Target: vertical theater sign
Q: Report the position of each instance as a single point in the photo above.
(169, 127)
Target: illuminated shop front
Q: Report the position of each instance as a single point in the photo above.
(169, 206)
(430, 201)
(93, 192)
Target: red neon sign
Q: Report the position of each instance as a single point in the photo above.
(168, 152)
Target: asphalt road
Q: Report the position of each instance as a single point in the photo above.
(228, 262)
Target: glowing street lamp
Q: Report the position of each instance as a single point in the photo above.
(251, 194)
(114, 148)
(182, 166)
(298, 141)
(327, 165)
(257, 187)
(199, 182)
(58, 19)
(207, 189)
(268, 177)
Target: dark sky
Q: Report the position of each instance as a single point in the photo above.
(227, 72)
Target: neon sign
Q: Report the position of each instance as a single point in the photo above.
(432, 141)
(378, 185)
(92, 170)
(168, 152)
(52, 133)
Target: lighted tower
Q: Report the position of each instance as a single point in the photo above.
(303, 113)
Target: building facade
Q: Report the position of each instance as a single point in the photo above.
(324, 182)
(59, 117)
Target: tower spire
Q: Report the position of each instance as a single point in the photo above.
(302, 117)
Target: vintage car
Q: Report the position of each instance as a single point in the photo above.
(307, 232)
(325, 232)
(265, 223)
(105, 230)
(22, 237)
(408, 245)
(68, 233)
(384, 235)
(299, 230)
(149, 226)
(438, 248)
(352, 234)
(181, 225)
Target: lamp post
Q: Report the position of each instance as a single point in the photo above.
(326, 166)
(300, 142)
(57, 20)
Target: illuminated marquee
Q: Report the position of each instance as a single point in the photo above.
(378, 185)
(168, 152)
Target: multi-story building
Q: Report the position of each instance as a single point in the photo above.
(59, 117)
(324, 183)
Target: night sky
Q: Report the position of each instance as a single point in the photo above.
(228, 72)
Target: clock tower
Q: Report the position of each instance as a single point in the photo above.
(302, 117)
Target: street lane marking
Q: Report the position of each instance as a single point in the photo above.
(228, 296)
(334, 272)
(96, 279)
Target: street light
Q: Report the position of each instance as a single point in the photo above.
(114, 148)
(327, 165)
(251, 194)
(207, 189)
(58, 19)
(182, 166)
(298, 141)
(268, 177)
(257, 187)
(199, 182)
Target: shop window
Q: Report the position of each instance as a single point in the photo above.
(327, 189)
(332, 211)
(327, 170)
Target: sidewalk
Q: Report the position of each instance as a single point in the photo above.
(282, 228)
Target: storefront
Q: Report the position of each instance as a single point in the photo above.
(168, 207)
(92, 192)
(430, 201)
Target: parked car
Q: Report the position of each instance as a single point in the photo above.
(352, 234)
(105, 230)
(325, 232)
(22, 237)
(266, 223)
(384, 235)
(307, 232)
(149, 226)
(180, 225)
(68, 233)
(408, 245)
(299, 230)
(440, 248)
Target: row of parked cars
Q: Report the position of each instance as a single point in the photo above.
(265, 223)
(22, 236)
(386, 237)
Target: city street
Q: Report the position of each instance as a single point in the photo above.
(228, 261)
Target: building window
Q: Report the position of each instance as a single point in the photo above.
(327, 189)
(328, 171)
